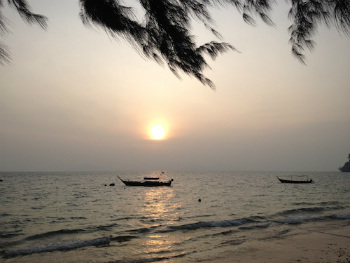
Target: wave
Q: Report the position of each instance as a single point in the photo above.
(324, 207)
(70, 245)
(140, 230)
(5, 214)
(122, 239)
(325, 203)
(38, 207)
(103, 227)
(211, 224)
(266, 225)
(340, 216)
(257, 222)
(301, 210)
(71, 231)
(299, 220)
(10, 234)
(55, 233)
(312, 218)
(60, 219)
(78, 218)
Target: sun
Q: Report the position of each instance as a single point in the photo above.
(158, 132)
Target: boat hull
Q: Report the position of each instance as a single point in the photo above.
(285, 181)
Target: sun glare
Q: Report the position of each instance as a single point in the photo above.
(158, 132)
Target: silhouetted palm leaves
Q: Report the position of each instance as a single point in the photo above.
(164, 32)
(164, 35)
(308, 14)
(23, 10)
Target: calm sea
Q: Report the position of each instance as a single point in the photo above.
(71, 217)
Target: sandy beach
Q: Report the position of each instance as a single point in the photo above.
(323, 243)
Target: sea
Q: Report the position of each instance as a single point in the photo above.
(75, 217)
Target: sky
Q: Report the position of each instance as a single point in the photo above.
(75, 99)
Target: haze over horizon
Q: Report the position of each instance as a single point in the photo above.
(74, 99)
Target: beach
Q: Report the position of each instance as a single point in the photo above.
(323, 243)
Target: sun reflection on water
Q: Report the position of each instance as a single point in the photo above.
(158, 204)
(159, 210)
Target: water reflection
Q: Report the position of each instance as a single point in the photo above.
(159, 205)
(159, 211)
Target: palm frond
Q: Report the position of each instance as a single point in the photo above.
(23, 9)
(266, 19)
(248, 19)
(213, 49)
(115, 18)
(4, 54)
(3, 27)
(341, 15)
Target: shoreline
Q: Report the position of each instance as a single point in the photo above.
(321, 243)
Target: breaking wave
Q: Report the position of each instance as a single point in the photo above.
(211, 224)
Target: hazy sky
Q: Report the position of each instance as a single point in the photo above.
(73, 98)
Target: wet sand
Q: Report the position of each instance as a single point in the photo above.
(320, 244)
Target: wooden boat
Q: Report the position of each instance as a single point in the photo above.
(293, 181)
(147, 182)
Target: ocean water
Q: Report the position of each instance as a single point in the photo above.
(78, 217)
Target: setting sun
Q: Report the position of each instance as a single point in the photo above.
(157, 132)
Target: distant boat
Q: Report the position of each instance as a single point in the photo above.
(346, 167)
(147, 181)
(293, 181)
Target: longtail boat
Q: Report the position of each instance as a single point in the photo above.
(293, 181)
(147, 182)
